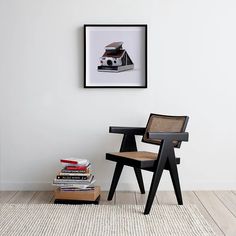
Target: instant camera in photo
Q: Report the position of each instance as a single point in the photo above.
(115, 59)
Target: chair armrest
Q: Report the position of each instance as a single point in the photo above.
(173, 136)
(127, 130)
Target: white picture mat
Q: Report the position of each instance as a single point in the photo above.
(133, 39)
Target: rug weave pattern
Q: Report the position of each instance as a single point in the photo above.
(93, 220)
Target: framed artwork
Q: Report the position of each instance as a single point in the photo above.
(115, 56)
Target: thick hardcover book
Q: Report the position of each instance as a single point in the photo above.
(91, 195)
(76, 202)
(75, 168)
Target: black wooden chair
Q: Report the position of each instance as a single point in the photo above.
(166, 131)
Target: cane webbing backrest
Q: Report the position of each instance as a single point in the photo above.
(162, 123)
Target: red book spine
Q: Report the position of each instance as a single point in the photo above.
(68, 161)
(76, 167)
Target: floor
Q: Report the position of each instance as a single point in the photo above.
(218, 207)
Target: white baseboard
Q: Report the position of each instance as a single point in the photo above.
(169, 187)
(25, 186)
(164, 186)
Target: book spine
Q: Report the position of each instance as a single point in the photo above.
(72, 185)
(75, 162)
(71, 182)
(69, 162)
(74, 180)
(72, 177)
(76, 168)
(76, 189)
(74, 171)
(74, 174)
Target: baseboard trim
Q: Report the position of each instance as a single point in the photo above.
(164, 186)
(25, 186)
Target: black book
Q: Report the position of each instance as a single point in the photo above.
(72, 177)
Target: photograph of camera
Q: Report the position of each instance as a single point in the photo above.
(115, 59)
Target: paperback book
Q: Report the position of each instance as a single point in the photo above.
(75, 162)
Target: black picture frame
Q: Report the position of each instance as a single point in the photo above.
(99, 71)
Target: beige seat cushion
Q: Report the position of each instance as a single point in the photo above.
(139, 156)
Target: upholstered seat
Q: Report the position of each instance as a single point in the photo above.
(140, 159)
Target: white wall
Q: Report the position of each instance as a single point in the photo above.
(46, 113)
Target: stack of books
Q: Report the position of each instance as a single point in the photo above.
(75, 182)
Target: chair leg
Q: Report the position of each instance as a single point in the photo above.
(139, 177)
(154, 185)
(115, 179)
(175, 180)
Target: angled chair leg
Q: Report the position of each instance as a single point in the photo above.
(139, 177)
(154, 185)
(175, 179)
(115, 179)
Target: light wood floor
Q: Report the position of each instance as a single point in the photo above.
(219, 207)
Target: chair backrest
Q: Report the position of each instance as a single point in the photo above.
(164, 123)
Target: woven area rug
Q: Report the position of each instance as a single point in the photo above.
(105, 220)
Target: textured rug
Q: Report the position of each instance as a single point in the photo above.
(104, 220)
